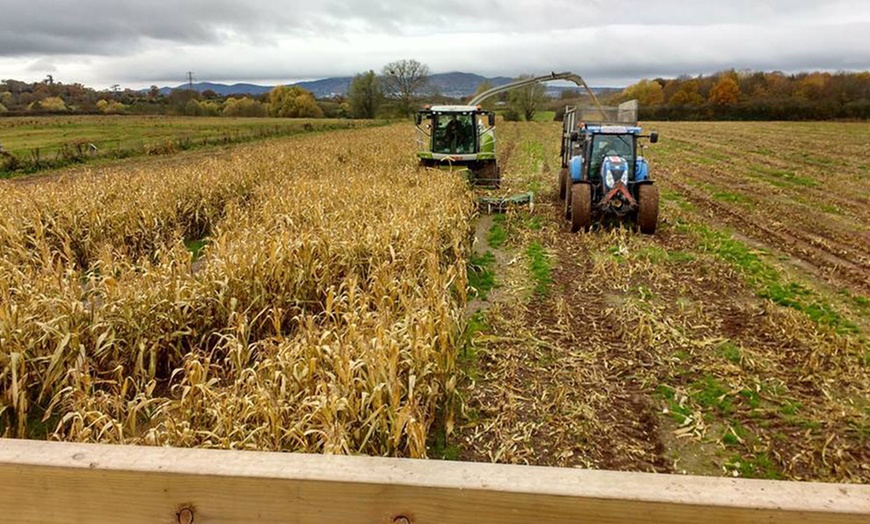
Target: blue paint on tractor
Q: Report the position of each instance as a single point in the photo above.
(641, 171)
(576, 168)
(612, 129)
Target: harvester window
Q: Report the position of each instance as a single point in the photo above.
(454, 134)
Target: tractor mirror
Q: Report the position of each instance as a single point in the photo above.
(491, 118)
(653, 137)
(418, 119)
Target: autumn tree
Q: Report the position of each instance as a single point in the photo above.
(243, 107)
(365, 95)
(293, 102)
(647, 93)
(178, 99)
(404, 80)
(726, 91)
(688, 93)
(111, 107)
(526, 100)
(202, 108)
(53, 104)
(812, 86)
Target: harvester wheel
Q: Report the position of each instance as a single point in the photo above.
(648, 213)
(563, 183)
(581, 207)
(489, 175)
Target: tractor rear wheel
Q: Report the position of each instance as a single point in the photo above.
(581, 207)
(563, 183)
(648, 212)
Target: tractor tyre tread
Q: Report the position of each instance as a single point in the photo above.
(581, 207)
(648, 212)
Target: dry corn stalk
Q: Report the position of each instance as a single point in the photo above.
(324, 318)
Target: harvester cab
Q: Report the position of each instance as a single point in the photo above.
(603, 176)
(458, 137)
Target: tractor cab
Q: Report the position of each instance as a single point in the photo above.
(458, 136)
(609, 149)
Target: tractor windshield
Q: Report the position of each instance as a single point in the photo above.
(453, 133)
(610, 145)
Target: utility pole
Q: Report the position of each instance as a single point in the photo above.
(190, 80)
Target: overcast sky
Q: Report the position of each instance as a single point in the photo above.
(608, 42)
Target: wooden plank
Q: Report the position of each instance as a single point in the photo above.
(69, 482)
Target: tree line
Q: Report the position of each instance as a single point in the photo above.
(402, 86)
(752, 95)
(50, 97)
(398, 90)
(393, 93)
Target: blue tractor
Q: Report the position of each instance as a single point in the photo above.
(603, 176)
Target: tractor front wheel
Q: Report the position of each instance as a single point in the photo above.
(563, 183)
(648, 212)
(580, 196)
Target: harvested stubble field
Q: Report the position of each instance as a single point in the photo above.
(324, 308)
(733, 342)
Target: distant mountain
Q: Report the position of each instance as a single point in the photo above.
(221, 89)
(457, 85)
(327, 87)
(454, 85)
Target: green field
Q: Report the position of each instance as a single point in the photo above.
(46, 142)
(544, 116)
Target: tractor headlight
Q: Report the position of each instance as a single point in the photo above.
(608, 179)
(624, 178)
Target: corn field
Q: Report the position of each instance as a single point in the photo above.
(323, 314)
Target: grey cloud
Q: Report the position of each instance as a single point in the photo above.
(43, 65)
(610, 40)
(112, 27)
